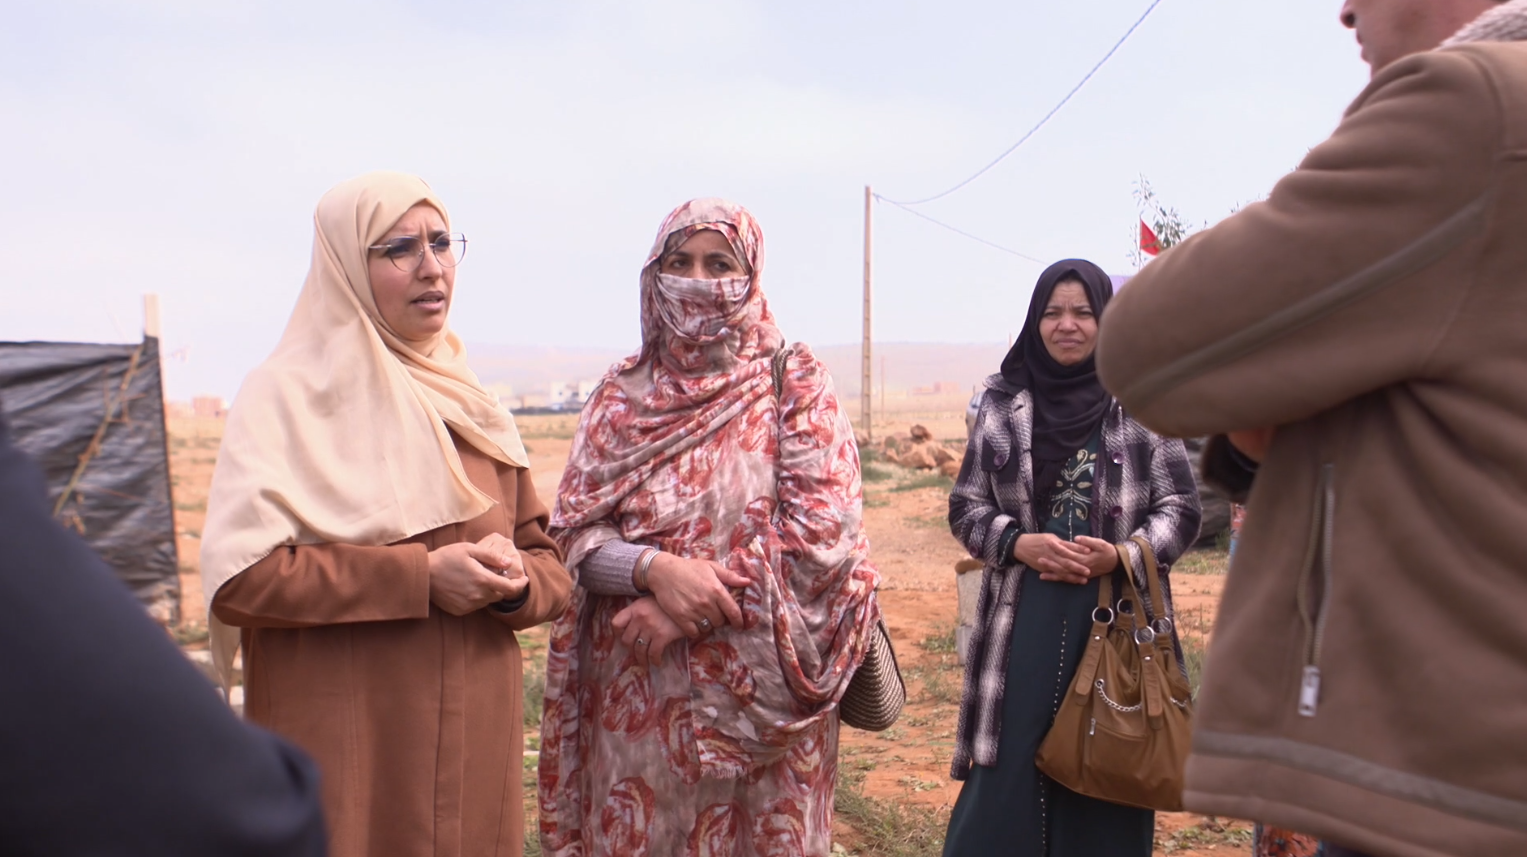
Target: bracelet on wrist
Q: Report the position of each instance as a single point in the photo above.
(643, 566)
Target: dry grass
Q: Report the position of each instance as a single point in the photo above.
(1193, 629)
(1193, 659)
(533, 651)
(926, 480)
(547, 427)
(886, 829)
(942, 643)
(1203, 561)
(189, 634)
(1207, 834)
(933, 522)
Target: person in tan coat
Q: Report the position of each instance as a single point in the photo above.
(374, 537)
(1367, 681)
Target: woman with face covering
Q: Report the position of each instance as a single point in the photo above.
(374, 540)
(1056, 475)
(710, 511)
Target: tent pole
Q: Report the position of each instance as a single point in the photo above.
(151, 315)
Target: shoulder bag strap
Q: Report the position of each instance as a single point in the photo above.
(1152, 690)
(1153, 581)
(1103, 616)
(780, 357)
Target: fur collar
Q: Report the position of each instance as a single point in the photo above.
(1505, 23)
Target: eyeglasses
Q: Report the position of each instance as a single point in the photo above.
(407, 252)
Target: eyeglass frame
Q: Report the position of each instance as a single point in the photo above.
(451, 238)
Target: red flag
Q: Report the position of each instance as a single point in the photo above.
(1150, 245)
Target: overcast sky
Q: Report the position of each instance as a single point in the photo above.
(179, 146)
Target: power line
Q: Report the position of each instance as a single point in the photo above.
(1047, 117)
(959, 231)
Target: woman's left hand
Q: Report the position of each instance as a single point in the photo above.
(512, 565)
(646, 630)
(1100, 558)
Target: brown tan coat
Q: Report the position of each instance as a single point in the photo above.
(414, 715)
(1374, 308)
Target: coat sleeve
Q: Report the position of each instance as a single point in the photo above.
(974, 516)
(112, 742)
(550, 585)
(304, 586)
(1330, 288)
(1172, 521)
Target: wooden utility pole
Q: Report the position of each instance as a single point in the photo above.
(866, 388)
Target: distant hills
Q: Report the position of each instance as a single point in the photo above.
(907, 366)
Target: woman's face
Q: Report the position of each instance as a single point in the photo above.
(1068, 327)
(707, 255)
(415, 303)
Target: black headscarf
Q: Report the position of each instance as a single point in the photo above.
(1069, 401)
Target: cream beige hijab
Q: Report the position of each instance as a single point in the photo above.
(341, 434)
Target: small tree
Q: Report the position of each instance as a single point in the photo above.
(1167, 223)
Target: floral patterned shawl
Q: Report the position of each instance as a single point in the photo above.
(730, 746)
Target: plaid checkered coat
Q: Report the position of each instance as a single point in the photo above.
(1143, 486)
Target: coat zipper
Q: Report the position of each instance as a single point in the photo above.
(1314, 616)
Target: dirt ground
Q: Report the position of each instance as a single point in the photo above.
(908, 765)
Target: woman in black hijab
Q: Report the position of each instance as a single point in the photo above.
(1055, 476)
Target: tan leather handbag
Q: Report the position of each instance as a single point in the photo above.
(1123, 729)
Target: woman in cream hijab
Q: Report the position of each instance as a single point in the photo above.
(374, 539)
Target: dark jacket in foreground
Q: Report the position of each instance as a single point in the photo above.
(111, 743)
(1367, 679)
(1144, 486)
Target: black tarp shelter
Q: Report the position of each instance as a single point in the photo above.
(93, 417)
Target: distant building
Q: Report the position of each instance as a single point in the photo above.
(209, 407)
(576, 393)
(940, 388)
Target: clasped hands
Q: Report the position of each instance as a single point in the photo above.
(1068, 562)
(465, 577)
(690, 598)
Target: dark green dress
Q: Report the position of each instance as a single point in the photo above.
(1013, 809)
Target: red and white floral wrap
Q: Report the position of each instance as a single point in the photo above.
(731, 746)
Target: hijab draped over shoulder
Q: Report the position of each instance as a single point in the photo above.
(685, 446)
(1069, 401)
(343, 435)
